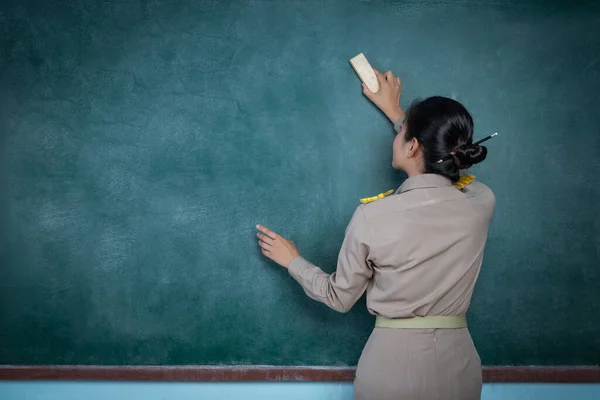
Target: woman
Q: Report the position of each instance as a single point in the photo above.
(417, 254)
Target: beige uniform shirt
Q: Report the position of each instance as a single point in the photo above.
(416, 253)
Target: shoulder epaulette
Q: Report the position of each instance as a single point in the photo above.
(464, 181)
(379, 196)
(460, 185)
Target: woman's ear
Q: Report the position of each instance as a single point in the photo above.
(413, 148)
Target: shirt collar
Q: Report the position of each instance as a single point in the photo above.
(424, 181)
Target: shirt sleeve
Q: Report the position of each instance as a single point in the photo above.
(398, 124)
(344, 287)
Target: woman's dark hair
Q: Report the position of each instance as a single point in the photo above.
(443, 126)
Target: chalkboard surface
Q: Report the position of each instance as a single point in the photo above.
(142, 141)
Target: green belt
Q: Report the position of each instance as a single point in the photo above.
(427, 322)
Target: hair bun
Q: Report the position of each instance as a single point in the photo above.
(468, 154)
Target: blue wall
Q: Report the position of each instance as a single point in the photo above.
(258, 391)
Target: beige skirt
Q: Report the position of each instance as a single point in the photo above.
(427, 364)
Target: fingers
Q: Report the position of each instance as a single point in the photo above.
(389, 77)
(392, 79)
(275, 247)
(366, 91)
(267, 232)
(380, 77)
(266, 244)
(264, 241)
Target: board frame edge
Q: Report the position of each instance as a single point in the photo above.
(191, 373)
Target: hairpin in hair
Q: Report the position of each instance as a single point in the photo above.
(449, 156)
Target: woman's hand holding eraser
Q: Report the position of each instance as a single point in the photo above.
(382, 89)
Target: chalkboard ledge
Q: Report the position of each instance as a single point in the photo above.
(556, 374)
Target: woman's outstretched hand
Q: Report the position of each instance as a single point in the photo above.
(388, 96)
(275, 247)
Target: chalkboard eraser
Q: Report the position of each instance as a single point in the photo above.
(365, 72)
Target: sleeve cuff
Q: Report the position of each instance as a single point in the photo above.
(398, 124)
(297, 266)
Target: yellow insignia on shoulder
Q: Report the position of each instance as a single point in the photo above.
(464, 181)
(379, 196)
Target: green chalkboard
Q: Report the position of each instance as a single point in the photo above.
(142, 141)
